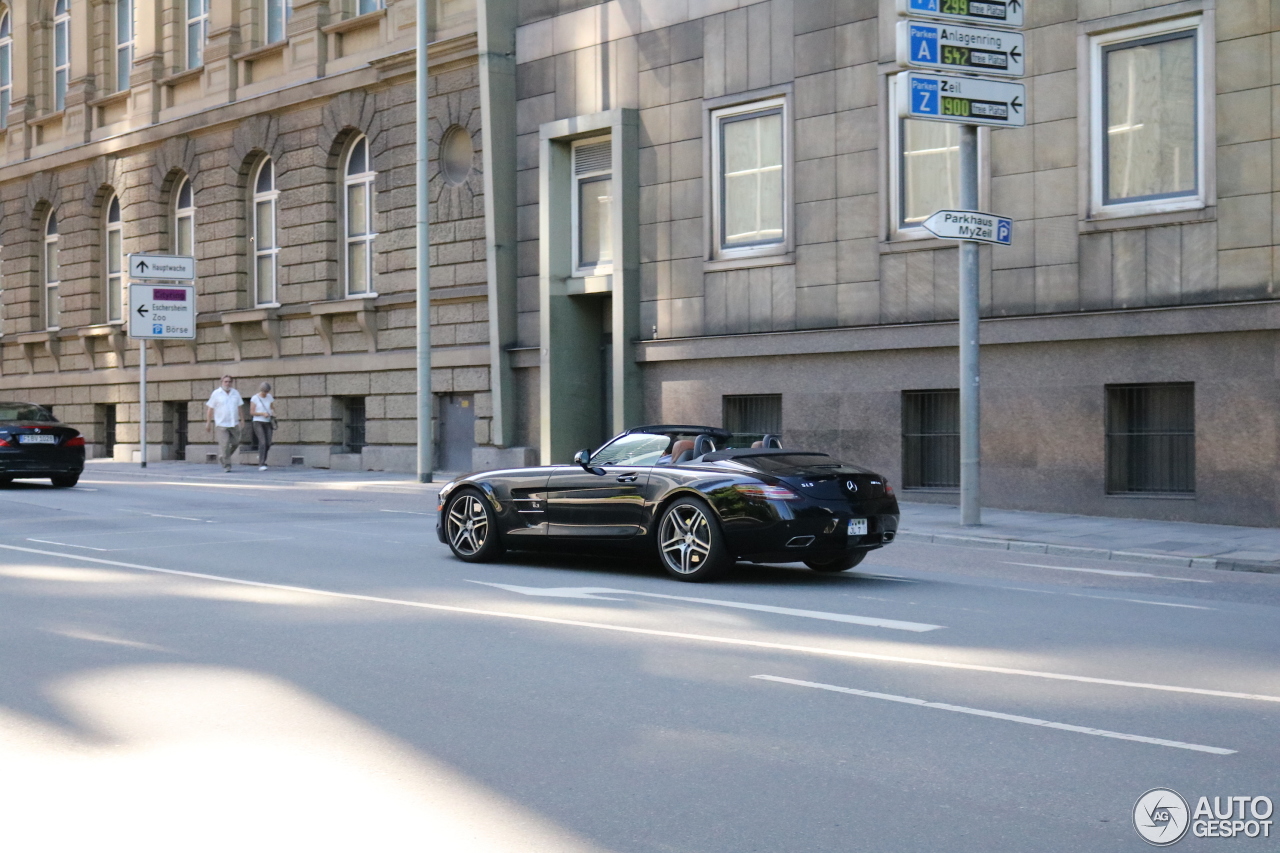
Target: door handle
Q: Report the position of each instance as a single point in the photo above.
(628, 478)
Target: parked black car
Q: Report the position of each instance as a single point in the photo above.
(682, 492)
(33, 443)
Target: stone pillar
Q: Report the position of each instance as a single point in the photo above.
(77, 120)
(307, 50)
(22, 106)
(148, 62)
(220, 72)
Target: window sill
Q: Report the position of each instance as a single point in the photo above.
(1153, 496)
(1116, 222)
(273, 49)
(182, 76)
(723, 264)
(113, 98)
(927, 242)
(50, 118)
(358, 22)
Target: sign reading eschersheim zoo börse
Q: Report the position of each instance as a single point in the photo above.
(161, 311)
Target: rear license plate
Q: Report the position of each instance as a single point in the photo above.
(37, 439)
(857, 527)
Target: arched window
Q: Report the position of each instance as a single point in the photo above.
(113, 263)
(51, 305)
(61, 53)
(184, 219)
(357, 218)
(264, 234)
(124, 43)
(6, 65)
(278, 13)
(197, 31)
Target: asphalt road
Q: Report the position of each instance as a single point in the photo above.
(259, 662)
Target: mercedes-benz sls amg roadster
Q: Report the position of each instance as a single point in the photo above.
(683, 493)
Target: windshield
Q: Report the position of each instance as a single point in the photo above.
(25, 412)
(638, 449)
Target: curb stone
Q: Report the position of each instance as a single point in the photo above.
(1025, 547)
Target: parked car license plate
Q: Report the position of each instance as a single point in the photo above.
(37, 439)
(857, 527)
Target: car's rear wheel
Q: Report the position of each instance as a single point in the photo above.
(690, 543)
(843, 563)
(471, 526)
(65, 481)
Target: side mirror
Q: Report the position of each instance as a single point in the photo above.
(583, 458)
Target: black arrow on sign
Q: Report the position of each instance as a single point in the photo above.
(1015, 5)
(1016, 54)
(1016, 104)
(142, 266)
(142, 311)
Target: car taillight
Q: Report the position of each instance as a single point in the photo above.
(888, 489)
(78, 441)
(4, 443)
(767, 493)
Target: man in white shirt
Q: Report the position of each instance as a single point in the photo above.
(225, 411)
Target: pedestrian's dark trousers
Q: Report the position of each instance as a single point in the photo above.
(262, 431)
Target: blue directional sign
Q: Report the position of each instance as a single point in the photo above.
(1001, 13)
(962, 100)
(949, 47)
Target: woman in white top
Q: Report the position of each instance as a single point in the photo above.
(260, 406)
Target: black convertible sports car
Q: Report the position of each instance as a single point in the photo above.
(33, 443)
(684, 492)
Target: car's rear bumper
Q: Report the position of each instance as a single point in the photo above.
(814, 529)
(45, 463)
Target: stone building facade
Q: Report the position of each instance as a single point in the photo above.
(181, 129)
(680, 211)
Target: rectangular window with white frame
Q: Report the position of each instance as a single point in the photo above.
(750, 168)
(924, 169)
(1147, 128)
(124, 28)
(592, 201)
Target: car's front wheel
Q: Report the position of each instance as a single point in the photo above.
(65, 481)
(843, 563)
(471, 526)
(690, 543)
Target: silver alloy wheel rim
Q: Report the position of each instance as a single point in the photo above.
(468, 525)
(685, 539)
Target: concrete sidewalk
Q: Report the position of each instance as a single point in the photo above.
(297, 475)
(1169, 543)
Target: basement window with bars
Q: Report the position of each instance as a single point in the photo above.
(931, 439)
(1151, 439)
(353, 420)
(753, 415)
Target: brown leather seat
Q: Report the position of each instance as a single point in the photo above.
(679, 449)
(757, 444)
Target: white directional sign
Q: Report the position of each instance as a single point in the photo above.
(1006, 13)
(162, 311)
(963, 100)
(162, 267)
(947, 47)
(970, 225)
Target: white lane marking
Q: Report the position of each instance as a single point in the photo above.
(406, 512)
(599, 593)
(150, 547)
(158, 515)
(66, 544)
(653, 632)
(1107, 598)
(1114, 572)
(73, 634)
(996, 715)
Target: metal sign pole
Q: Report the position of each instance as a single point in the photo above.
(425, 443)
(142, 399)
(970, 444)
